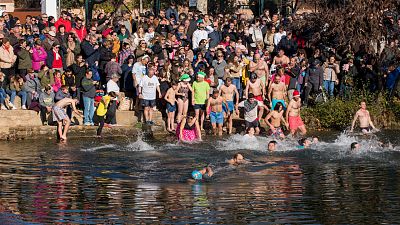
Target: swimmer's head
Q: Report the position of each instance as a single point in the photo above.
(304, 142)
(238, 158)
(278, 106)
(251, 131)
(272, 146)
(355, 146)
(315, 139)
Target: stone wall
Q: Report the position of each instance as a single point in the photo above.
(26, 124)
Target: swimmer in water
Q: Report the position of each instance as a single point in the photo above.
(315, 140)
(237, 160)
(272, 146)
(304, 143)
(202, 174)
(355, 146)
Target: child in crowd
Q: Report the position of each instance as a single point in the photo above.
(171, 105)
(57, 81)
(102, 110)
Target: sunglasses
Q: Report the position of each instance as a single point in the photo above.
(220, 56)
(93, 30)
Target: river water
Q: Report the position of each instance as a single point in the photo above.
(144, 181)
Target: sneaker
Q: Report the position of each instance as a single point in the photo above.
(45, 123)
(91, 124)
(87, 124)
(14, 108)
(23, 107)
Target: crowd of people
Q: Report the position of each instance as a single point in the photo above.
(193, 67)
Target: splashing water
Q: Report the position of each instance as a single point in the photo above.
(93, 149)
(139, 145)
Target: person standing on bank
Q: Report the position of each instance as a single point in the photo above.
(148, 88)
(61, 117)
(366, 125)
(88, 93)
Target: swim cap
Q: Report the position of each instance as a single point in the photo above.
(201, 74)
(197, 175)
(185, 77)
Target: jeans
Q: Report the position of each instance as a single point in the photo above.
(3, 95)
(237, 83)
(329, 87)
(88, 111)
(21, 94)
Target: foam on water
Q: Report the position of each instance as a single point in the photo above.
(93, 149)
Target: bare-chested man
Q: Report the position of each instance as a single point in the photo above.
(276, 117)
(366, 125)
(293, 115)
(257, 88)
(260, 68)
(216, 115)
(171, 105)
(277, 92)
(227, 92)
(281, 58)
(61, 117)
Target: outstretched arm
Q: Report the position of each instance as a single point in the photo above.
(354, 121)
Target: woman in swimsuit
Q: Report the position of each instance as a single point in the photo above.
(182, 96)
(189, 129)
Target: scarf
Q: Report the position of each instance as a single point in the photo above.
(248, 106)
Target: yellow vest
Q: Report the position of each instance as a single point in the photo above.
(103, 105)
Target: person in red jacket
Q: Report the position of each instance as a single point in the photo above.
(64, 21)
(79, 30)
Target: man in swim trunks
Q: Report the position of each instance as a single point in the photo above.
(60, 116)
(293, 115)
(260, 68)
(215, 114)
(228, 91)
(200, 93)
(257, 88)
(277, 119)
(277, 92)
(366, 125)
(251, 113)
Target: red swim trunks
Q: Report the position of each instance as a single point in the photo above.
(295, 122)
(259, 98)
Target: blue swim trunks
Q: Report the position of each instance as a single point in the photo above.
(230, 108)
(274, 101)
(171, 108)
(217, 117)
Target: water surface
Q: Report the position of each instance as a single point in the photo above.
(144, 181)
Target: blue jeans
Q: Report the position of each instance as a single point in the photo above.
(237, 83)
(3, 95)
(329, 86)
(88, 112)
(14, 93)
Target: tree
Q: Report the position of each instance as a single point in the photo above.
(343, 22)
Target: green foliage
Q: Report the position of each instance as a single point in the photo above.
(67, 4)
(338, 114)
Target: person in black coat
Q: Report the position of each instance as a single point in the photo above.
(90, 51)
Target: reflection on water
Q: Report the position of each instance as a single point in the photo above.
(145, 182)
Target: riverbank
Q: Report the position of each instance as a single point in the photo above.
(26, 124)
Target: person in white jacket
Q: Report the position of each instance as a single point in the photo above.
(200, 34)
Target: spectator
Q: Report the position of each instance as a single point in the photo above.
(149, 86)
(24, 58)
(63, 20)
(32, 87)
(88, 93)
(16, 87)
(55, 58)
(46, 100)
(39, 56)
(7, 58)
(112, 67)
